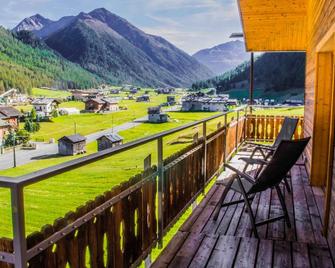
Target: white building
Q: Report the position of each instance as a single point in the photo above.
(201, 102)
(45, 106)
(68, 111)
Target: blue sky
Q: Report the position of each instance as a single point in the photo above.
(189, 24)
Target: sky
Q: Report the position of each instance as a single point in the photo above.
(189, 24)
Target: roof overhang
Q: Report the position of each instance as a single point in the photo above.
(274, 25)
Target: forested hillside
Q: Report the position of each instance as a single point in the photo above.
(23, 66)
(273, 72)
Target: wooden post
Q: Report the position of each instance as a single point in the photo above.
(225, 141)
(204, 131)
(251, 88)
(160, 191)
(236, 134)
(19, 240)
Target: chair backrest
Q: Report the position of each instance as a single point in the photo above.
(283, 159)
(287, 130)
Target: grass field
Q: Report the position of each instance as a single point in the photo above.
(39, 92)
(90, 123)
(45, 200)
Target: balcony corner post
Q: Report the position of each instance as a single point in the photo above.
(160, 191)
(204, 130)
(18, 223)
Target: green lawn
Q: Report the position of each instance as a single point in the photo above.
(90, 123)
(45, 200)
(39, 92)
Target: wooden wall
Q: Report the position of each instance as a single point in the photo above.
(321, 17)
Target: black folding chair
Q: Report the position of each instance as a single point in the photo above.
(274, 171)
(286, 133)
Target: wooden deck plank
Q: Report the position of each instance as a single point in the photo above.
(204, 252)
(212, 225)
(263, 211)
(247, 253)
(300, 255)
(320, 256)
(198, 210)
(303, 223)
(276, 230)
(282, 254)
(225, 222)
(235, 219)
(170, 250)
(186, 252)
(290, 233)
(224, 252)
(315, 217)
(244, 228)
(265, 253)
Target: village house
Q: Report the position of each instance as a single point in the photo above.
(293, 102)
(232, 102)
(171, 100)
(109, 141)
(202, 102)
(45, 106)
(167, 90)
(155, 115)
(72, 145)
(115, 91)
(4, 130)
(83, 95)
(111, 105)
(143, 98)
(10, 115)
(101, 105)
(12, 96)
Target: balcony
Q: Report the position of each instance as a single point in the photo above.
(229, 241)
(120, 227)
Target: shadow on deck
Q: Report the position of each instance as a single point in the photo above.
(229, 242)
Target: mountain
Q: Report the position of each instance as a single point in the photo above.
(224, 57)
(23, 66)
(33, 23)
(274, 73)
(118, 52)
(43, 27)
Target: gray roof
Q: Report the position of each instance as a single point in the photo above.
(97, 100)
(113, 137)
(43, 101)
(110, 100)
(73, 138)
(7, 111)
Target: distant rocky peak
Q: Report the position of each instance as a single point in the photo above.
(33, 23)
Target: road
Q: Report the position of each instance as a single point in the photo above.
(45, 150)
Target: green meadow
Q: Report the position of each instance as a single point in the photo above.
(52, 198)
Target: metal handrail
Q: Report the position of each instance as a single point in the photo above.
(21, 254)
(72, 164)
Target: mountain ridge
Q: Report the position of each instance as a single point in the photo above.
(126, 53)
(223, 57)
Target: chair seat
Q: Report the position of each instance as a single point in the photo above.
(235, 185)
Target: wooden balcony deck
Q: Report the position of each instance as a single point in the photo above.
(229, 242)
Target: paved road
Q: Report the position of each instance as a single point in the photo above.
(45, 150)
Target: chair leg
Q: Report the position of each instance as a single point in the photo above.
(287, 185)
(249, 210)
(222, 198)
(283, 205)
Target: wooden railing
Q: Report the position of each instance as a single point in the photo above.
(120, 227)
(264, 128)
